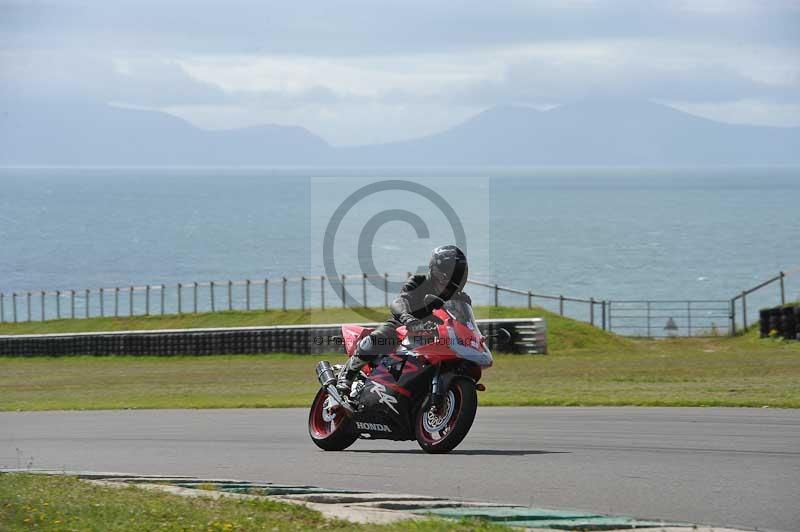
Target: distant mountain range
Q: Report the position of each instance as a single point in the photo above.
(588, 133)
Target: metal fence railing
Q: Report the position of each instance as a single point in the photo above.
(283, 293)
(651, 318)
(667, 318)
(591, 310)
(744, 307)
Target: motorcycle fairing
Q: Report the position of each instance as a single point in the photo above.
(388, 395)
(468, 346)
(382, 406)
(352, 334)
(456, 338)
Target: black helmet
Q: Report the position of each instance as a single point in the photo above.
(448, 269)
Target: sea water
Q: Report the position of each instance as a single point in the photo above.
(610, 233)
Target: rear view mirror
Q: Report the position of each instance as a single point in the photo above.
(503, 336)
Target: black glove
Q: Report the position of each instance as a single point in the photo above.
(407, 319)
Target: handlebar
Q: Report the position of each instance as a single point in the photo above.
(427, 325)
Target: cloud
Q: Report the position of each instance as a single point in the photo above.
(746, 111)
(546, 72)
(55, 75)
(642, 70)
(159, 82)
(366, 27)
(349, 77)
(360, 71)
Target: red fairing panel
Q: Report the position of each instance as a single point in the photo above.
(456, 340)
(352, 334)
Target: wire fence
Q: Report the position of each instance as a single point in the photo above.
(667, 318)
(649, 318)
(283, 293)
(778, 290)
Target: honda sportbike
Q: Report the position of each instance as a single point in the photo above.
(425, 389)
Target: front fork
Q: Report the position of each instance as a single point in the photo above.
(440, 384)
(436, 388)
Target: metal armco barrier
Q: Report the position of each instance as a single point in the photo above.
(528, 336)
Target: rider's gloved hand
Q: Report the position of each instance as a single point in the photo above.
(409, 321)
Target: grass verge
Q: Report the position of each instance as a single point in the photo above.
(741, 371)
(39, 502)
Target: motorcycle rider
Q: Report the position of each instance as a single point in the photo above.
(446, 278)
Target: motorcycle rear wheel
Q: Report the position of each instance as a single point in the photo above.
(330, 431)
(441, 430)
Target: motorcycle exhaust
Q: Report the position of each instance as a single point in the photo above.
(328, 381)
(325, 373)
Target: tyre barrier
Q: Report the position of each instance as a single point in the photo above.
(528, 336)
(781, 321)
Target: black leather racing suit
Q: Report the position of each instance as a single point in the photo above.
(409, 304)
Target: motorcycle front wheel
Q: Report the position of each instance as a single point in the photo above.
(440, 430)
(329, 428)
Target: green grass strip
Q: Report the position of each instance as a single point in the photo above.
(55, 503)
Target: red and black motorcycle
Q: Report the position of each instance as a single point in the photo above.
(424, 390)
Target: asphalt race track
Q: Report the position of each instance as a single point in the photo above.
(734, 467)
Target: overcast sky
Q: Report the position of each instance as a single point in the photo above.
(372, 71)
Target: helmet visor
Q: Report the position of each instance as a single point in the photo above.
(453, 279)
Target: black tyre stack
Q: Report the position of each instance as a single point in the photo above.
(783, 321)
(527, 336)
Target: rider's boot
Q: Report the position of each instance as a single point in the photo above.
(344, 382)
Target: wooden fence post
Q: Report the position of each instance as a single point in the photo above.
(744, 311)
(783, 290)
